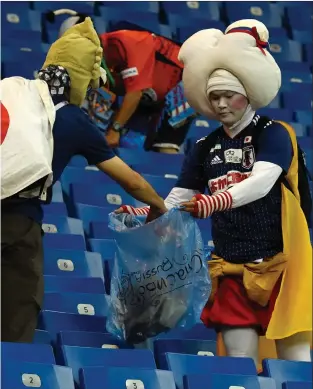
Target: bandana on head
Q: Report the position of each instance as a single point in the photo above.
(221, 79)
(57, 78)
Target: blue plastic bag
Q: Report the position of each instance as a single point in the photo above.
(160, 278)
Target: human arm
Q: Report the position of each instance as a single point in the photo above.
(273, 159)
(129, 105)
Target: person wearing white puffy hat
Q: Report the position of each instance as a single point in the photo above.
(250, 167)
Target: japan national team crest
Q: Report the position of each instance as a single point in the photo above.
(248, 157)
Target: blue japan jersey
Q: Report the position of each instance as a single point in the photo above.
(252, 231)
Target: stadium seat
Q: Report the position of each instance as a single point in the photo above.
(302, 36)
(73, 263)
(267, 13)
(182, 346)
(64, 242)
(283, 371)
(300, 18)
(299, 129)
(42, 337)
(106, 247)
(276, 114)
(82, 303)
(181, 365)
(193, 9)
(54, 224)
(287, 66)
(308, 53)
(29, 69)
(54, 322)
(276, 103)
(27, 352)
(305, 142)
(18, 375)
(142, 6)
(145, 20)
(89, 213)
(285, 49)
(297, 385)
(304, 117)
(227, 381)
(186, 26)
(18, 16)
(298, 100)
(57, 195)
(100, 230)
(114, 377)
(90, 339)
(105, 195)
(80, 357)
(59, 284)
(296, 77)
(57, 209)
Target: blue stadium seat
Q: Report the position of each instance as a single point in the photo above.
(304, 117)
(299, 129)
(85, 7)
(18, 375)
(80, 357)
(148, 20)
(309, 160)
(277, 32)
(188, 27)
(181, 365)
(59, 284)
(54, 322)
(54, 224)
(296, 77)
(23, 38)
(305, 142)
(286, 49)
(102, 377)
(73, 263)
(276, 103)
(82, 303)
(29, 69)
(142, 6)
(302, 36)
(57, 209)
(106, 247)
(42, 337)
(267, 13)
(64, 242)
(105, 195)
(100, 230)
(300, 18)
(295, 100)
(27, 352)
(90, 339)
(283, 371)
(293, 66)
(57, 194)
(308, 52)
(297, 385)
(193, 9)
(227, 381)
(276, 114)
(100, 25)
(89, 213)
(78, 161)
(182, 346)
(18, 16)
(161, 184)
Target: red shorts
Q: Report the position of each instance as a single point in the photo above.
(233, 308)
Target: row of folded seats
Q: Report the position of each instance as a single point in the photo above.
(95, 361)
(27, 32)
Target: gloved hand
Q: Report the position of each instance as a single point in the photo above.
(132, 210)
(202, 206)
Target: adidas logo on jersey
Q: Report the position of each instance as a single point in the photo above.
(216, 160)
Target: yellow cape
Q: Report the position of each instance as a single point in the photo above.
(293, 308)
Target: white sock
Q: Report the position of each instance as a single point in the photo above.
(241, 342)
(295, 347)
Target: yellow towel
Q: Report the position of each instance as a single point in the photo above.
(79, 51)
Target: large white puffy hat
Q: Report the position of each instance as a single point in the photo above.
(240, 52)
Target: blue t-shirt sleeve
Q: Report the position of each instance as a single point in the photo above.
(192, 175)
(274, 145)
(91, 142)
